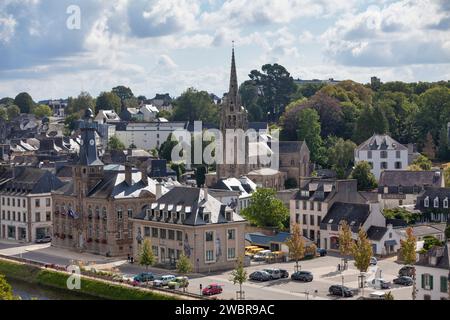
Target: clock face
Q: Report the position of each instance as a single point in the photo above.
(91, 142)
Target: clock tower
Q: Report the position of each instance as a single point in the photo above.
(89, 168)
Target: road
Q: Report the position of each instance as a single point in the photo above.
(324, 270)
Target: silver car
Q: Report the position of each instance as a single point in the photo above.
(163, 280)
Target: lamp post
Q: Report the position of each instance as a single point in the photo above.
(343, 294)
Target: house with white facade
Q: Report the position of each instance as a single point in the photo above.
(433, 274)
(383, 153)
(149, 112)
(385, 240)
(107, 116)
(433, 204)
(26, 204)
(147, 135)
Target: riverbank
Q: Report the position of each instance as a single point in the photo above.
(89, 287)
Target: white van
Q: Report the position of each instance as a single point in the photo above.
(262, 255)
(378, 295)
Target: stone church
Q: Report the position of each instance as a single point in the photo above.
(292, 158)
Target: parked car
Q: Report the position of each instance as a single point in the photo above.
(404, 281)
(284, 273)
(406, 271)
(44, 239)
(379, 295)
(304, 276)
(178, 282)
(373, 261)
(260, 276)
(163, 280)
(321, 252)
(379, 283)
(336, 290)
(262, 255)
(274, 273)
(212, 289)
(144, 277)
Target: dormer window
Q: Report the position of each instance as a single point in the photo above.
(183, 217)
(385, 189)
(436, 202)
(206, 217)
(426, 202)
(228, 216)
(400, 189)
(445, 203)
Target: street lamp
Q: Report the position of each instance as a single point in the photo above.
(343, 294)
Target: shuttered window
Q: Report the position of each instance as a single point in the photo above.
(444, 284)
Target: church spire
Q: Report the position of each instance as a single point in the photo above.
(233, 93)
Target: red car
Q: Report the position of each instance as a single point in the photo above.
(212, 289)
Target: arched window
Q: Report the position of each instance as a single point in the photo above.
(436, 202)
(445, 203)
(119, 213)
(97, 212)
(104, 215)
(90, 212)
(426, 202)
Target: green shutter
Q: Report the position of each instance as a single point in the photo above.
(431, 282)
(443, 284)
(423, 281)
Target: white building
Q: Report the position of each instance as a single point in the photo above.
(26, 204)
(147, 135)
(432, 274)
(385, 240)
(383, 153)
(107, 116)
(150, 112)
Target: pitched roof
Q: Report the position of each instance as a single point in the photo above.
(381, 142)
(31, 180)
(290, 146)
(408, 178)
(355, 214)
(376, 233)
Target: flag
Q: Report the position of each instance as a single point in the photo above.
(72, 213)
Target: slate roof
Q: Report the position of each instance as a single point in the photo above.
(31, 180)
(244, 185)
(290, 146)
(354, 213)
(443, 262)
(260, 239)
(381, 142)
(376, 233)
(407, 178)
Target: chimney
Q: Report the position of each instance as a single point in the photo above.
(158, 190)
(128, 175)
(144, 176)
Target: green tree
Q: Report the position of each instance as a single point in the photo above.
(362, 251)
(115, 144)
(265, 209)
(165, 150)
(309, 131)
(239, 275)
(70, 122)
(430, 242)
(200, 175)
(6, 292)
(408, 251)
(250, 99)
(195, 105)
(131, 103)
(296, 245)
(24, 101)
(422, 162)
(184, 265)
(12, 111)
(3, 113)
(80, 104)
(146, 256)
(6, 101)
(366, 179)
(164, 114)
(345, 239)
(123, 92)
(429, 147)
(108, 101)
(276, 85)
(341, 155)
(389, 296)
(42, 111)
(443, 148)
(447, 232)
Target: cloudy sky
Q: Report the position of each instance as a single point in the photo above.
(169, 45)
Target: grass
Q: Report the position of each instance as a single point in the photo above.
(89, 287)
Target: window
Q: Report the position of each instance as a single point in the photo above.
(23, 203)
(383, 154)
(369, 154)
(311, 205)
(319, 206)
(398, 165)
(311, 220)
(305, 233)
(370, 164)
(231, 253)
(445, 203)
(14, 216)
(155, 250)
(47, 202)
(9, 215)
(209, 236)
(130, 230)
(231, 234)
(162, 233)
(48, 216)
(426, 202)
(37, 217)
(297, 204)
(397, 154)
(304, 205)
(171, 234)
(209, 255)
(24, 217)
(37, 203)
(436, 202)
(206, 217)
(444, 284)
(383, 165)
(297, 218)
(8, 201)
(155, 232)
(427, 281)
(130, 213)
(119, 214)
(179, 236)
(318, 220)
(13, 202)
(147, 231)
(3, 201)
(305, 217)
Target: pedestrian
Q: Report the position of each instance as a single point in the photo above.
(128, 258)
(132, 260)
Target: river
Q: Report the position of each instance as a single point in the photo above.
(28, 291)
